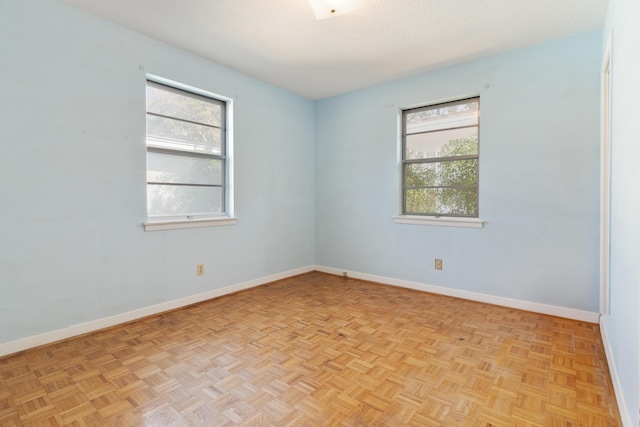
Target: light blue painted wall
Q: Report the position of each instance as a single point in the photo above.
(539, 177)
(72, 174)
(72, 190)
(624, 321)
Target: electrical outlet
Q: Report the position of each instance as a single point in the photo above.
(344, 274)
(200, 269)
(438, 264)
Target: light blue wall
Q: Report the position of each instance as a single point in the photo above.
(72, 174)
(72, 177)
(623, 324)
(539, 175)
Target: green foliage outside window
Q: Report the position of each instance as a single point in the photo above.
(455, 182)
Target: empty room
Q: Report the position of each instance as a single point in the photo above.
(319, 213)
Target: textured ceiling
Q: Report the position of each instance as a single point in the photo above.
(281, 42)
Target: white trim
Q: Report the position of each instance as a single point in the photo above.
(439, 221)
(553, 310)
(605, 176)
(432, 102)
(189, 223)
(615, 377)
(94, 325)
(171, 222)
(187, 88)
(230, 169)
(106, 322)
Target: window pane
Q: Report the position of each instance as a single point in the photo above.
(442, 201)
(420, 201)
(183, 169)
(174, 134)
(443, 116)
(456, 172)
(421, 175)
(183, 105)
(454, 142)
(435, 185)
(183, 200)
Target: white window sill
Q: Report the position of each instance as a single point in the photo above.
(189, 223)
(439, 221)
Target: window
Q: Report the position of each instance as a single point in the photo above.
(440, 159)
(186, 153)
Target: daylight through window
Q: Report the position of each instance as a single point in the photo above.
(440, 159)
(186, 153)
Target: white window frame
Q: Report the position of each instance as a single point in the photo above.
(448, 220)
(170, 222)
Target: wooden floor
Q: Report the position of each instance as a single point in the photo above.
(319, 350)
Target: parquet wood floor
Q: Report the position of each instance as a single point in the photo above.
(319, 350)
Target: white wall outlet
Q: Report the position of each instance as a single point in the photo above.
(438, 264)
(200, 269)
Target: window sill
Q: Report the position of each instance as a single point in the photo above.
(439, 221)
(189, 223)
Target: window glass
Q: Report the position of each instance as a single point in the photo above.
(441, 159)
(186, 163)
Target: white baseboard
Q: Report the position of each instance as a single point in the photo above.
(568, 313)
(94, 325)
(615, 378)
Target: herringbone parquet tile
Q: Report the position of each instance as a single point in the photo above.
(319, 350)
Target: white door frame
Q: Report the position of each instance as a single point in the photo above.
(605, 177)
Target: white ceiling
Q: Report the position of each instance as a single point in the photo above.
(281, 42)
